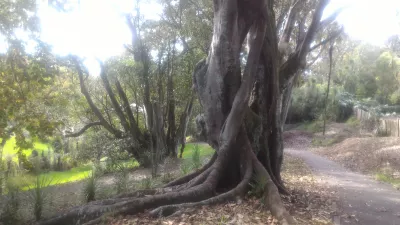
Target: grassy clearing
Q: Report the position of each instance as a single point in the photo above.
(82, 172)
(311, 126)
(10, 148)
(205, 150)
(326, 141)
(388, 179)
(353, 122)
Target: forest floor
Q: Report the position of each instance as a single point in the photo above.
(350, 161)
(322, 191)
(309, 202)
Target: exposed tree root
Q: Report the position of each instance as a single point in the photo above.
(187, 178)
(238, 191)
(271, 194)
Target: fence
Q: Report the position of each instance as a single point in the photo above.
(389, 126)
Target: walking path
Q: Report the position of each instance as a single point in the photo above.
(364, 200)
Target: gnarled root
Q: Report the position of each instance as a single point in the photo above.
(168, 202)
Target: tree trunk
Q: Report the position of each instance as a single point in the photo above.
(329, 84)
(184, 120)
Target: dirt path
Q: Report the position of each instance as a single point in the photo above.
(363, 200)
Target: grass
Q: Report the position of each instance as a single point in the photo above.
(326, 141)
(388, 179)
(311, 126)
(11, 149)
(205, 150)
(353, 122)
(82, 172)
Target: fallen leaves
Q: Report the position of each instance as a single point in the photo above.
(308, 203)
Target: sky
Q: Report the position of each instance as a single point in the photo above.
(97, 28)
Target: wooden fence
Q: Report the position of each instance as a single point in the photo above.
(388, 126)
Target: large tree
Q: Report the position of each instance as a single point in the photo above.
(242, 108)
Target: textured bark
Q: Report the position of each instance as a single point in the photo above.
(329, 84)
(83, 129)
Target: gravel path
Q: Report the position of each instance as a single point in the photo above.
(363, 200)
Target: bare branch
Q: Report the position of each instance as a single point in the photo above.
(83, 129)
(285, 38)
(113, 99)
(134, 129)
(93, 107)
(305, 45)
(327, 40)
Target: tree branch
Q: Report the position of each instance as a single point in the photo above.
(113, 99)
(93, 107)
(327, 40)
(285, 38)
(83, 129)
(297, 59)
(134, 129)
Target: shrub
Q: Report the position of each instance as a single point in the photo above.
(257, 186)
(90, 187)
(38, 194)
(353, 122)
(10, 213)
(196, 157)
(167, 177)
(23, 160)
(146, 183)
(121, 179)
(185, 168)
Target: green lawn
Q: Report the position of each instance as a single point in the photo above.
(10, 148)
(81, 172)
(205, 150)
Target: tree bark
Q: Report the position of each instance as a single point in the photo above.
(329, 84)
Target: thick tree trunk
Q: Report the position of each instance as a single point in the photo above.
(327, 90)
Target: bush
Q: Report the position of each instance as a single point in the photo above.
(38, 194)
(90, 188)
(353, 122)
(10, 213)
(167, 177)
(121, 179)
(185, 168)
(196, 157)
(146, 183)
(23, 160)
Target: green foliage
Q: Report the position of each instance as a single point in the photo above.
(39, 195)
(257, 186)
(313, 126)
(196, 160)
(353, 122)
(185, 168)
(90, 187)
(325, 142)
(121, 179)
(146, 183)
(308, 103)
(204, 149)
(167, 177)
(10, 213)
(388, 179)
